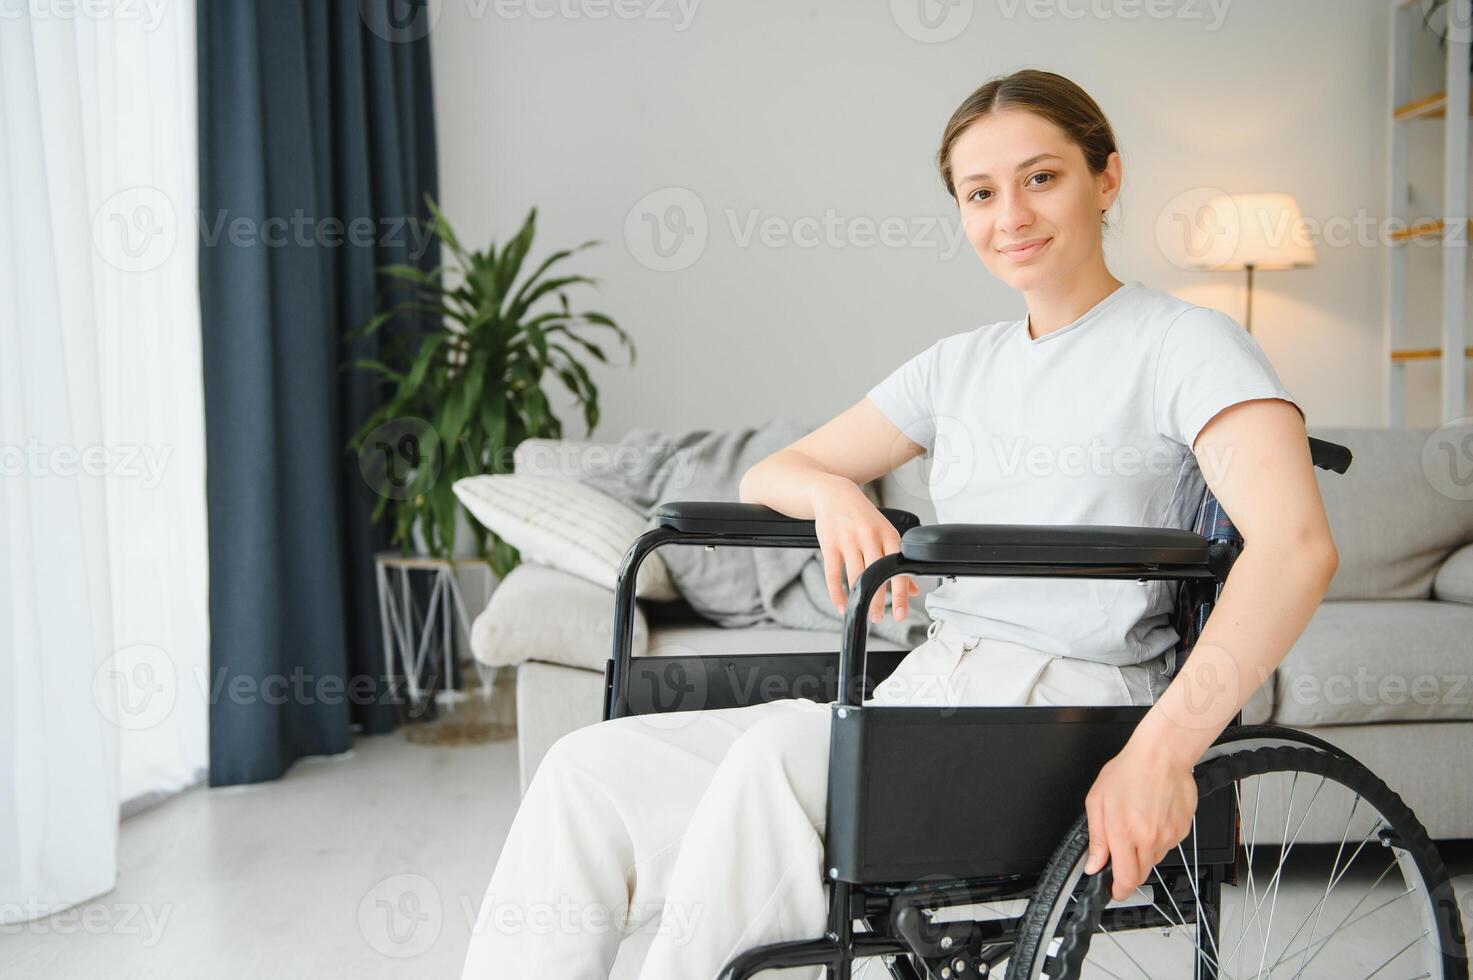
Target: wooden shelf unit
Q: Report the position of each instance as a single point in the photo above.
(1452, 107)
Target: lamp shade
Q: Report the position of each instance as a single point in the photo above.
(1266, 231)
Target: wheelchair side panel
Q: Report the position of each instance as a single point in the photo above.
(974, 792)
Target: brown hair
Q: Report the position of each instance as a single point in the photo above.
(1044, 94)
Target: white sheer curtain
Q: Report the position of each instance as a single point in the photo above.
(103, 592)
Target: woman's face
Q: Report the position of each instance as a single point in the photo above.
(1020, 181)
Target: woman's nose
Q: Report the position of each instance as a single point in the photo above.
(1016, 214)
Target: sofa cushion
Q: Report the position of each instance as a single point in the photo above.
(1392, 517)
(542, 613)
(546, 614)
(1379, 660)
(558, 521)
(1454, 582)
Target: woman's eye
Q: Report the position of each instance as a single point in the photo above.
(973, 195)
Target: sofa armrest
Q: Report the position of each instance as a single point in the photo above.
(1454, 582)
(542, 613)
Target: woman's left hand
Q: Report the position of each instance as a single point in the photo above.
(1140, 806)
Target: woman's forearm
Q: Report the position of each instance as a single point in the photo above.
(786, 482)
(1267, 600)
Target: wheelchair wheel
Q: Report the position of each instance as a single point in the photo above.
(1238, 919)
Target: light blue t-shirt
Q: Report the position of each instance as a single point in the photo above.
(1090, 424)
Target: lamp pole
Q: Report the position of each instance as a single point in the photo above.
(1249, 323)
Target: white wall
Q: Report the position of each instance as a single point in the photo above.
(790, 109)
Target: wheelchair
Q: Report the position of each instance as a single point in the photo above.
(973, 863)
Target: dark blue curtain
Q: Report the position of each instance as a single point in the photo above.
(317, 147)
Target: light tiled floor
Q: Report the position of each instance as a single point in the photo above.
(285, 880)
(366, 866)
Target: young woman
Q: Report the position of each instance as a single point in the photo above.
(1110, 403)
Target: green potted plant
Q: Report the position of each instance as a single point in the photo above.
(467, 388)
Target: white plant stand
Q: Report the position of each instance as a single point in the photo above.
(416, 638)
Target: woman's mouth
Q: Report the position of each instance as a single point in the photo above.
(1024, 254)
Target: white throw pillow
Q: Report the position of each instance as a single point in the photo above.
(560, 522)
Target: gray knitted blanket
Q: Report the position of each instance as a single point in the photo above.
(737, 586)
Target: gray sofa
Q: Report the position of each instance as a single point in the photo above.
(1382, 670)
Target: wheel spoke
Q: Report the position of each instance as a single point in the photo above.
(1347, 922)
(1396, 954)
(1284, 860)
(1319, 908)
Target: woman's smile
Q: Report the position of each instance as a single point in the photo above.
(1027, 252)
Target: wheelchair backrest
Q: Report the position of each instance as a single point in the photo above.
(1195, 598)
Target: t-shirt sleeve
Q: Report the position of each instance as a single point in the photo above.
(1208, 363)
(907, 397)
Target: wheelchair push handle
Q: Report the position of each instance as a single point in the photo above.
(1329, 455)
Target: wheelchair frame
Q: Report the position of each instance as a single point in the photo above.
(902, 838)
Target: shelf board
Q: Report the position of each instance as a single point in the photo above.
(1426, 228)
(1433, 106)
(1423, 354)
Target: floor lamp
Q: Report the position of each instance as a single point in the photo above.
(1254, 232)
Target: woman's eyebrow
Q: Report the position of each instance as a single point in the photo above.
(1026, 163)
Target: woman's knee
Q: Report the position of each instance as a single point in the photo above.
(788, 741)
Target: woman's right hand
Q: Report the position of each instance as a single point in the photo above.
(852, 534)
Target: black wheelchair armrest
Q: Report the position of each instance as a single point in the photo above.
(1054, 544)
(746, 520)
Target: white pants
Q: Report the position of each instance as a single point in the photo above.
(705, 828)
